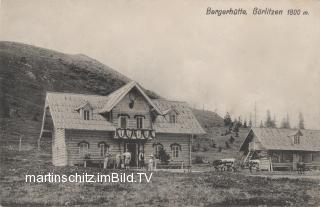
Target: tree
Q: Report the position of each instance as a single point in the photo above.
(245, 124)
(261, 124)
(301, 121)
(227, 119)
(250, 121)
(285, 123)
(269, 123)
(288, 122)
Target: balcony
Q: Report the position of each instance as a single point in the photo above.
(142, 134)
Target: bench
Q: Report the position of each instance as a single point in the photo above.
(173, 165)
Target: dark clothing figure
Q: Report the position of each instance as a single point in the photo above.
(141, 160)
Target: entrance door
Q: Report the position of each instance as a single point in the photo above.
(132, 148)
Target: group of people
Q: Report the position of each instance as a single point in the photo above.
(122, 161)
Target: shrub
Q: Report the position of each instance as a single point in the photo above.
(227, 145)
(205, 149)
(163, 156)
(213, 144)
(231, 140)
(198, 160)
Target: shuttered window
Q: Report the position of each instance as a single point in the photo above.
(139, 122)
(83, 148)
(296, 139)
(172, 118)
(175, 150)
(86, 114)
(103, 148)
(123, 122)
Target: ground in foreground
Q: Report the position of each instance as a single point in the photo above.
(165, 188)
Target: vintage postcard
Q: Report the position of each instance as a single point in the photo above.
(159, 103)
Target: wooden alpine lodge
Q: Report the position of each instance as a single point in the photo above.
(282, 149)
(125, 120)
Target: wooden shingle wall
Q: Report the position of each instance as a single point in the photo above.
(141, 107)
(166, 140)
(59, 151)
(74, 137)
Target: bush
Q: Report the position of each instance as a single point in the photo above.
(213, 144)
(205, 149)
(231, 140)
(164, 156)
(227, 145)
(198, 160)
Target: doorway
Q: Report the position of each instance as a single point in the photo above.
(132, 148)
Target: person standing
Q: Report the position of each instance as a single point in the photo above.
(105, 161)
(141, 159)
(150, 163)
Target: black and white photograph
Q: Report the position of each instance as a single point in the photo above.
(148, 103)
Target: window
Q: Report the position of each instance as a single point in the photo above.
(139, 122)
(86, 114)
(296, 139)
(123, 122)
(83, 148)
(172, 118)
(103, 148)
(157, 148)
(175, 150)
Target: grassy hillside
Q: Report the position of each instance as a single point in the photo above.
(208, 119)
(216, 145)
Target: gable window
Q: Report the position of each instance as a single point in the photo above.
(172, 118)
(103, 148)
(139, 122)
(296, 139)
(86, 114)
(123, 122)
(83, 148)
(175, 150)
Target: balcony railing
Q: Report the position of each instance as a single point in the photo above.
(134, 133)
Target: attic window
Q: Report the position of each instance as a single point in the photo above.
(86, 114)
(296, 139)
(172, 118)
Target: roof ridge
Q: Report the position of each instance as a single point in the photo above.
(318, 130)
(71, 93)
(163, 99)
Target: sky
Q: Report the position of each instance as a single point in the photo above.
(219, 63)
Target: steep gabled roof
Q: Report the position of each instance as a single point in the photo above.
(63, 108)
(186, 121)
(282, 139)
(114, 98)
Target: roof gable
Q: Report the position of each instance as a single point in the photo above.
(115, 97)
(186, 122)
